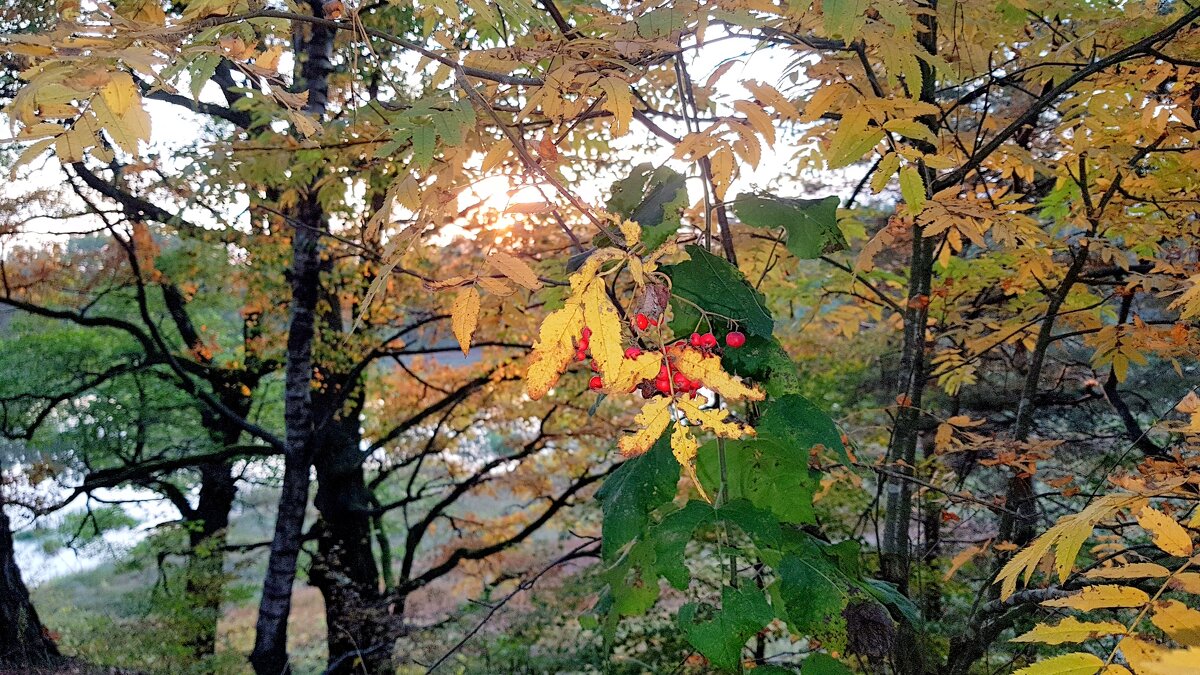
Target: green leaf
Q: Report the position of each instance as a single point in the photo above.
(633, 492)
(824, 664)
(797, 424)
(670, 538)
(423, 141)
(653, 198)
(844, 18)
(893, 599)
(765, 361)
(811, 224)
(743, 612)
(815, 593)
(766, 473)
(912, 188)
(716, 286)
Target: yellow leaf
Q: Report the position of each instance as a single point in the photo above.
(1188, 582)
(715, 420)
(464, 316)
(1180, 622)
(1068, 534)
(632, 233)
(1130, 571)
(31, 153)
(514, 268)
(1167, 534)
(706, 369)
(1171, 662)
(853, 139)
(884, 172)
(601, 318)
(1145, 657)
(684, 446)
(961, 559)
(912, 188)
(120, 93)
(1067, 664)
(443, 284)
(629, 372)
(1101, 597)
(759, 120)
(496, 287)
(651, 422)
(1070, 630)
(618, 101)
(554, 348)
(911, 129)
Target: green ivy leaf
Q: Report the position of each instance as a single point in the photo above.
(743, 612)
(716, 286)
(811, 224)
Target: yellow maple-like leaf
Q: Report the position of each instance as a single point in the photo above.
(1180, 622)
(554, 348)
(652, 421)
(1079, 663)
(1071, 629)
(716, 420)
(515, 269)
(706, 369)
(1167, 534)
(1101, 597)
(684, 446)
(464, 316)
(1130, 571)
(601, 317)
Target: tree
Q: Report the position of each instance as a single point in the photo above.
(1039, 178)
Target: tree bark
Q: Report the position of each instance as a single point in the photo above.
(206, 560)
(24, 641)
(270, 640)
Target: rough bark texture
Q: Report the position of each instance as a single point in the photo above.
(344, 568)
(24, 641)
(270, 643)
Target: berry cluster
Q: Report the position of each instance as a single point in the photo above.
(669, 379)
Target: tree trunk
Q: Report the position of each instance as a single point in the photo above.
(344, 568)
(270, 640)
(206, 560)
(24, 641)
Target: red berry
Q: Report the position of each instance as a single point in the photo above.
(662, 384)
(595, 366)
(586, 333)
(695, 340)
(595, 383)
(641, 321)
(735, 339)
(581, 355)
(663, 372)
(653, 322)
(632, 353)
(708, 341)
(681, 381)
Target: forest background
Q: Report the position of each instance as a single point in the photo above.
(542, 336)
